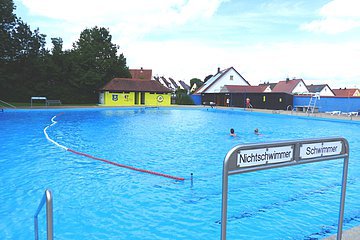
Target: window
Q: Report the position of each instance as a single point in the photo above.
(264, 98)
(231, 77)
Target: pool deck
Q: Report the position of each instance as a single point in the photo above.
(351, 234)
(303, 114)
(292, 113)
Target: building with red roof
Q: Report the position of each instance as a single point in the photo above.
(245, 89)
(144, 74)
(224, 77)
(134, 92)
(294, 86)
(322, 89)
(347, 92)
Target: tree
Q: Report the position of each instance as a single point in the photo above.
(20, 50)
(196, 81)
(7, 23)
(96, 61)
(28, 69)
(57, 46)
(182, 98)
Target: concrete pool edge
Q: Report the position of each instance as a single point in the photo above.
(319, 115)
(350, 234)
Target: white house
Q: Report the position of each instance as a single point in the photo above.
(323, 89)
(295, 86)
(224, 77)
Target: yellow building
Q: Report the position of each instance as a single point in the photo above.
(134, 92)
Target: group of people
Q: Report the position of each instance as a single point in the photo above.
(233, 134)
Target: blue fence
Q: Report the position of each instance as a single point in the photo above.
(196, 99)
(327, 104)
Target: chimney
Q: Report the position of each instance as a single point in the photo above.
(218, 69)
(287, 80)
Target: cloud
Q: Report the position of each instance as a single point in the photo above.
(131, 18)
(183, 60)
(311, 61)
(176, 38)
(337, 16)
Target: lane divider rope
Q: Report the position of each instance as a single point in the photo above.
(102, 159)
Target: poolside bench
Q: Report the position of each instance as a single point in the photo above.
(50, 102)
(305, 108)
(211, 104)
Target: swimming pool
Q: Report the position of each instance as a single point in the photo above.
(95, 200)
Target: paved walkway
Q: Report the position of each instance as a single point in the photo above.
(351, 234)
(294, 113)
(315, 115)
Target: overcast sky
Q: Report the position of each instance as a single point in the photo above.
(264, 40)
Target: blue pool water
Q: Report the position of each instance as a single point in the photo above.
(95, 200)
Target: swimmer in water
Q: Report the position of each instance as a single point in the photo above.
(256, 131)
(232, 132)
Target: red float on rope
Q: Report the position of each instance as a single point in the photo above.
(101, 159)
(126, 166)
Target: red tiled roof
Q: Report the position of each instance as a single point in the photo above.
(346, 92)
(134, 85)
(286, 86)
(271, 85)
(242, 89)
(144, 74)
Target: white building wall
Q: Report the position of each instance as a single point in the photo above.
(300, 88)
(267, 89)
(326, 92)
(101, 98)
(226, 79)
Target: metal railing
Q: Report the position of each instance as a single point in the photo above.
(49, 215)
(262, 156)
(5, 104)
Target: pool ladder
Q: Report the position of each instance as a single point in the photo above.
(4, 104)
(49, 216)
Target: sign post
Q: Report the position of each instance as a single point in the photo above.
(262, 156)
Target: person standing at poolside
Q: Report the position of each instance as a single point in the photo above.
(232, 132)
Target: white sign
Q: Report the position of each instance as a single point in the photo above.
(38, 98)
(321, 149)
(256, 157)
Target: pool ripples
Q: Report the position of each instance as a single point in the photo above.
(95, 200)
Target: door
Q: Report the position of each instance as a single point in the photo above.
(136, 98)
(101, 98)
(142, 98)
